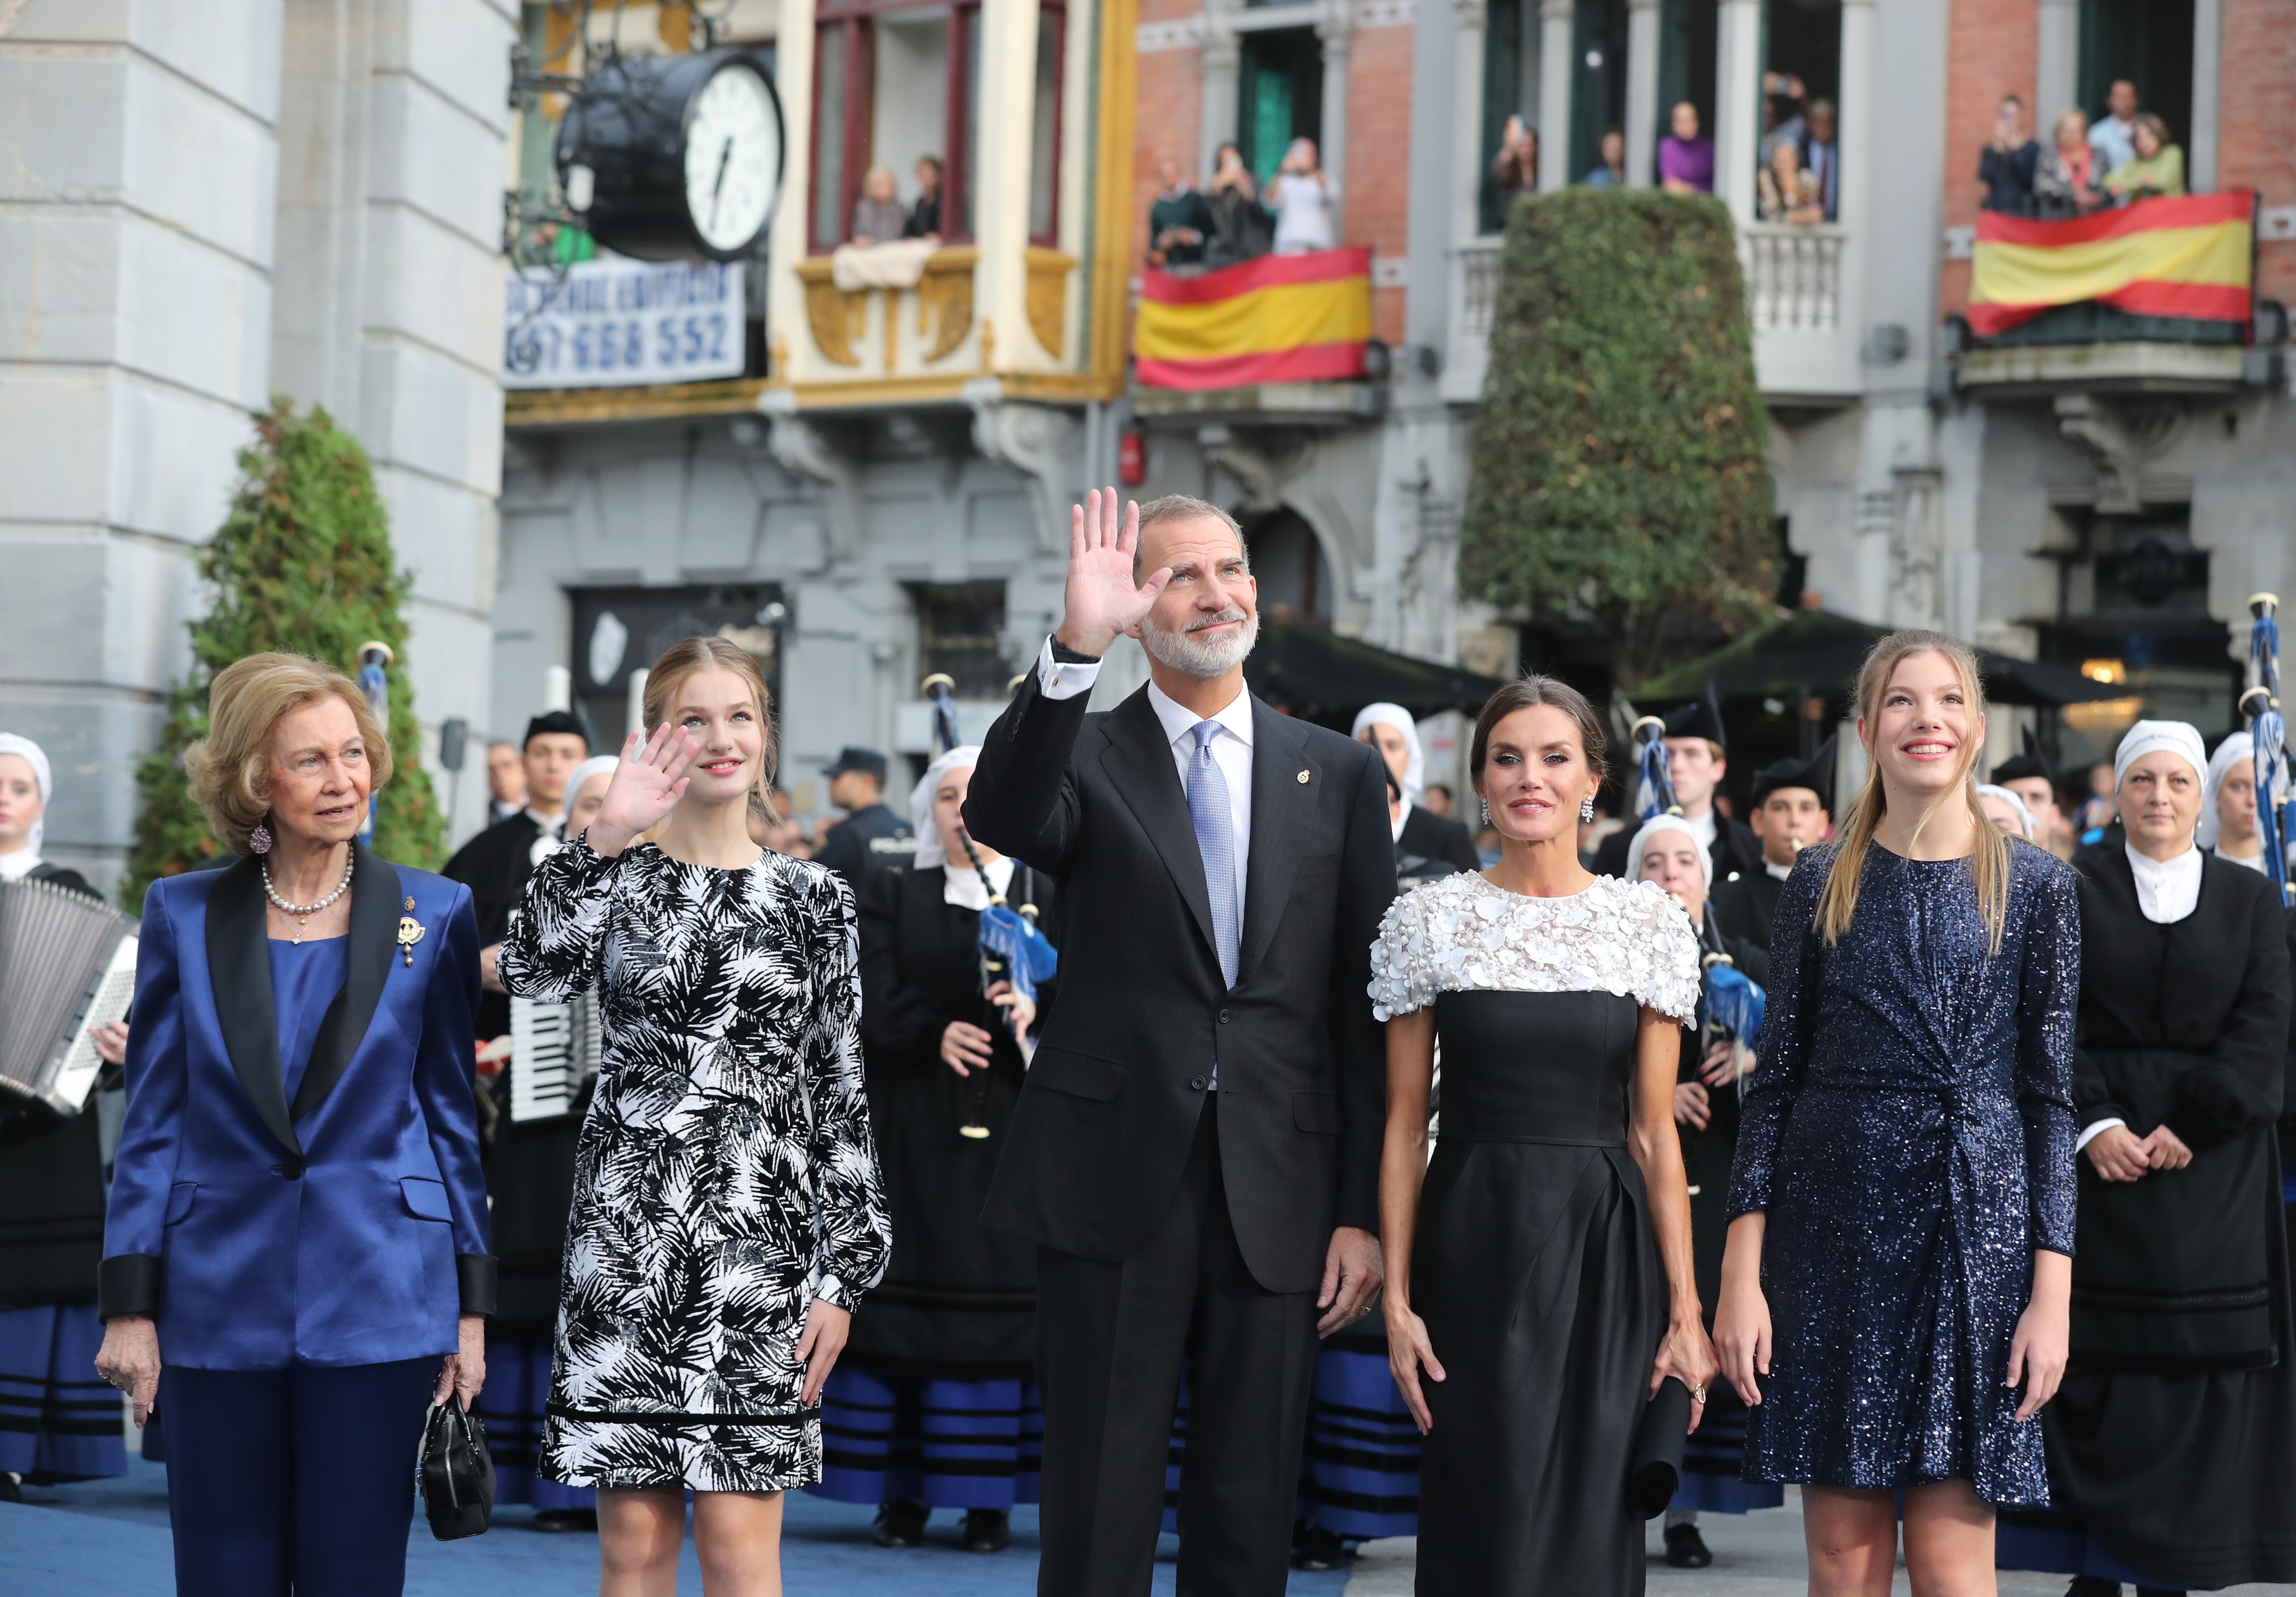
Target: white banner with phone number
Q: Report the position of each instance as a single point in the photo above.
(618, 323)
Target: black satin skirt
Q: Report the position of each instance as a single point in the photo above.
(1538, 1278)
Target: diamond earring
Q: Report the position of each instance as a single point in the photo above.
(1586, 807)
(1487, 812)
(258, 841)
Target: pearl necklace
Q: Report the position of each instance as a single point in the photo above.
(304, 912)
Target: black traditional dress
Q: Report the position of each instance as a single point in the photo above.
(1535, 1266)
(935, 1400)
(58, 1419)
(531, 1182)
(726, 1177)
(2173, 1439)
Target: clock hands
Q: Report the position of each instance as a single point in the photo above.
(725, 159)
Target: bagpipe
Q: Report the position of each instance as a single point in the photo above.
(1010, 946)
(1653, 790)
(1734, 1003)
(2269, 729)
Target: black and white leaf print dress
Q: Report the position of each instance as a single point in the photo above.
(726, 1176)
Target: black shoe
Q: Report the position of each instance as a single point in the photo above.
(2092, 1585)
(901, 1524)
(567, 1519)
(10, 1491)
(1686, 1549)
(2161, 1592)
(1316, 1548)
(985, 1530)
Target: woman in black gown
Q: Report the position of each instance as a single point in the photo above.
(1894, 1286)
(2174, 1438)
(1539, 1279)
(934, 1404)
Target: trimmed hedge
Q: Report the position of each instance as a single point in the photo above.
(302, 563)
(1621, 461)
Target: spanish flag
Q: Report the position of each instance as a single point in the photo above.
(1280, 318)
(2190, 256)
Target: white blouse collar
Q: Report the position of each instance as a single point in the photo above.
(17, 864)
(961, 884)
(2166, 890)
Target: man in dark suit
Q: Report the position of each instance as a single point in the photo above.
(1791, 801)
(1697, 761)
(871, 837)
(1196, 1152)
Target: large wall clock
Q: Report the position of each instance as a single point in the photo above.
(675, 157)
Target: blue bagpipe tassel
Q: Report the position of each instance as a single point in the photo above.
(1011, 938)
(1733, 1001)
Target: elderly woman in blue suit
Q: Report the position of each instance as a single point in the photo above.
(296, 1234)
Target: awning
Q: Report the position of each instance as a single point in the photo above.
(1314, 673)
(1819, 652)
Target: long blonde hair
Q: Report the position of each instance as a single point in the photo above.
(687, 656)
(1990, 864)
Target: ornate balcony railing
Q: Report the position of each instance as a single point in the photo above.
(1793, 276)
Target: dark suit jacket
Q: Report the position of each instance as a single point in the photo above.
(1103, 1126)
(1746, 907)
(1427, 835)
(1736, 850)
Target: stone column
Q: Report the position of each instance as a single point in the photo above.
(1642, 93)
(1221, 56)
(1334, 30)
(1468, 156)
(1855, 135)
(2059, 55)
(1555, 94)
(1737, 104)
(2207, 110)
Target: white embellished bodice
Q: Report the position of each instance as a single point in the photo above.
(1459, 933)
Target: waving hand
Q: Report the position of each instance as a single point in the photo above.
(1103, 600)
(646, 786)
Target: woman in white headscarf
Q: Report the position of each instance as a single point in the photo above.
(2006, 810)
(1426, 844)
(934, 1403)
(68, 1425)
(2227, 826)
(1707, 1094)
(2173, 1439)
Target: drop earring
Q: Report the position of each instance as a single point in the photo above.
(1487, 812)
(1586, 807)
(258, 841)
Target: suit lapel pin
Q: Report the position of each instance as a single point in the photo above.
(1303, 778)
(410, 932)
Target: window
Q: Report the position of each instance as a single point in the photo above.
(621, 630)
(959, 633)
(1044, 131)
(1280, 97)
(894, 82)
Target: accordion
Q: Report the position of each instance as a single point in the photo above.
(66, 966)
(554, 1057)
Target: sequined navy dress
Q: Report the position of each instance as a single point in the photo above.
(1534, 1264)
(1910, 1133)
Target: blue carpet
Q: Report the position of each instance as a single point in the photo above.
(109, 1538)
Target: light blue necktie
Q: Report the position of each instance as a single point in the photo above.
(1208, 807)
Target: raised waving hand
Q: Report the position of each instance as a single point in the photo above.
(646, 786)
(1103, 601)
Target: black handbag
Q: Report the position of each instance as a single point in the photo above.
(1654, 1470)
(454, 1473)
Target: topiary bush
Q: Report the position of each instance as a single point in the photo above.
(1620, 462)
(303, 564)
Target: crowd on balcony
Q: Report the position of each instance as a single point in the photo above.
(1192, 231)
(2127, 155)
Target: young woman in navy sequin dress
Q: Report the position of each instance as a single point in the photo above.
(1896, 1284)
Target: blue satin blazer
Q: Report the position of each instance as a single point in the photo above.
(348, 1228)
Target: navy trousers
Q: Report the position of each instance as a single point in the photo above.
(297, 1481)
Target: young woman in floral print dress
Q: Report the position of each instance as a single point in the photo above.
(727, 1214)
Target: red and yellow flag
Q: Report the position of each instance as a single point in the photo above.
(1280, 318)
(2192, 257)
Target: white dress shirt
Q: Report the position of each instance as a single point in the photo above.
(1062, 679)
(16, 865)
(2167, 891)
(2251, 862)
(1703, 828)
(1775, 870)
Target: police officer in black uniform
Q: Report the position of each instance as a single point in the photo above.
(871, 837)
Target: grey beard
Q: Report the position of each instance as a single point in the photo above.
(1183, 652)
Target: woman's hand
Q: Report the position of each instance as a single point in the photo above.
(110, 1040)
(645, 787)
(2164, 1150)
(826, 1327)
(1690, 1105)
(1724, 1062)
(1688, 1356)
(463, 1372)
(965, 1047)
(2038, 1351)
(129, 1360)
(2118, 1155)
(1742, 1339)
(1408, 1351)
(1019, 1009)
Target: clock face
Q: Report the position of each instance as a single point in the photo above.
(733, 157)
